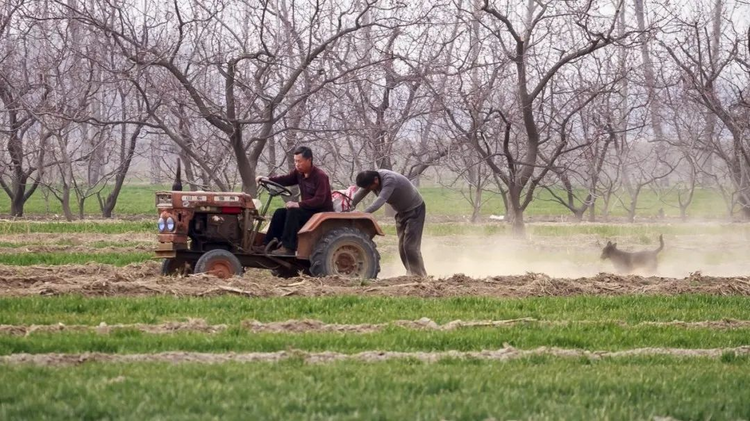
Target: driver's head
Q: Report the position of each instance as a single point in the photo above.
(368, 180)
(303, 159)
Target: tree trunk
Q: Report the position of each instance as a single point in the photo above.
(155, 159)
(45, 195)
(18, 193)
(605, 211)
(477, 205)
(184, 131)
(708, 164)
(81, 207)
(108, 207)
(744, 202)
(244, 167)
(631, 211)
(206, 179)
(17, 189)
(592, 212)
(189, 172)
(16, 206)
(272, 159)
(96, 161)
(650, 78)
(518, 227)
(65, 202)
(111, 202)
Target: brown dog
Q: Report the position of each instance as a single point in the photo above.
(626, 262)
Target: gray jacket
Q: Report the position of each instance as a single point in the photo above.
(395, 189)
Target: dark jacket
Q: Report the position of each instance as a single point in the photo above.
(315, 189)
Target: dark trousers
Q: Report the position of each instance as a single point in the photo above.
(409, 227)
(286, 223)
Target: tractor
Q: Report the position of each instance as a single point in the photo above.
(220, 233)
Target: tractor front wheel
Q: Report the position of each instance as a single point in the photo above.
(345, 252)
(175, 267)
(219, 263)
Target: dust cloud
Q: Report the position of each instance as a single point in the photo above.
(726, 253)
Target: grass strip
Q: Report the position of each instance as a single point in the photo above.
(75, 258)
(61, 244)
(539, 388)
(85, 227)
(74, 309)
(609, 337)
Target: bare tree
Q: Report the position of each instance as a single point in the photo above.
(84, 97)
(389, 110)
(646, 168)
(592, 102)
(251, 94)
(535, 69)
(472, 178)
(575, 182)
(689, 141)
(127, 141)
(23, 92)
(650, 81)
(708, 75)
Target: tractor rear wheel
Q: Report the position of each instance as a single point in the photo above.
(345, 252)
(220, 263)
(174, 267)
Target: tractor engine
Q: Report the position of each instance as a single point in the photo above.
(210, 230)
(201, 221)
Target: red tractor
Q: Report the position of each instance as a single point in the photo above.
(220, 233)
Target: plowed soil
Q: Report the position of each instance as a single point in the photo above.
(317, 326)
(192, 325)
(144, 280)
(503, 354)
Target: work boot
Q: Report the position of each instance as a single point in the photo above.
(282, 251)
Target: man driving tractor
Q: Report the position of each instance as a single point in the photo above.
(315, 191)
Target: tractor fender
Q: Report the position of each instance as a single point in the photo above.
(323, 222)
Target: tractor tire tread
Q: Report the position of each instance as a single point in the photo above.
(203, 261)
(318, 256)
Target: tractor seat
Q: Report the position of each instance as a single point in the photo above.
(342, 199)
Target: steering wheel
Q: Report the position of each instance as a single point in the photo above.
(274, 189)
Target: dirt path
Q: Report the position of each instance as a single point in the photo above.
(305, 326)
(192, 325)
(317, 326)
(144, 280)
(503, 354)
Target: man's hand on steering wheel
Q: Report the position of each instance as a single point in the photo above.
(274, 188)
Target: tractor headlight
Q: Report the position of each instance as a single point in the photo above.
(170, 224)
(161, 224)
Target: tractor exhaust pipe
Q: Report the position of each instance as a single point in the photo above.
(177, 185)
